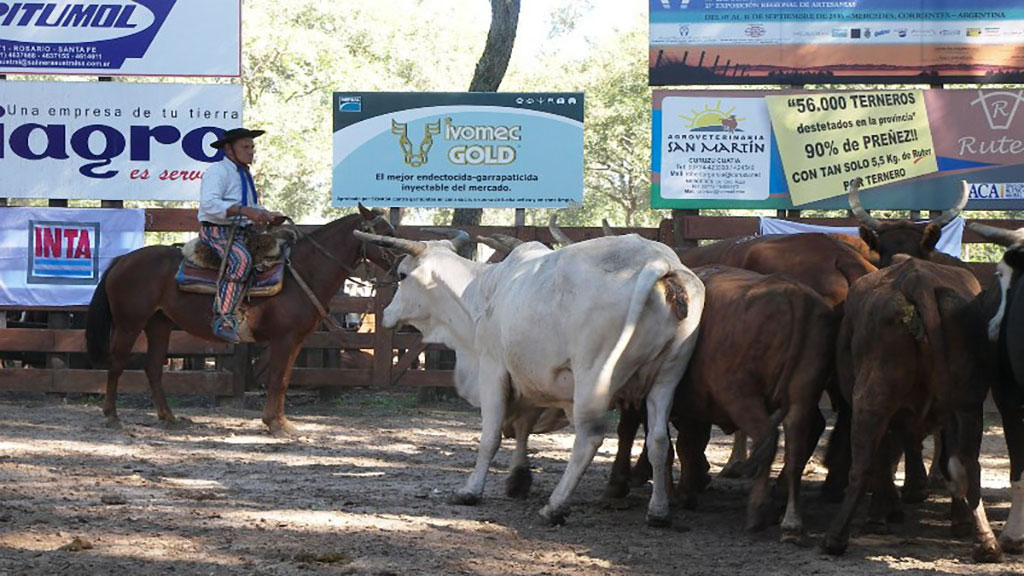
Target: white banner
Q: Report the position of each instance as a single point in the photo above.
(121, 37)
(55, 256)
(949, 242)
(111, 141)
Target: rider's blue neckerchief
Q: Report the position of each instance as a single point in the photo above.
(247, 185)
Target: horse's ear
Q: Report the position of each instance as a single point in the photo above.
(367, 214)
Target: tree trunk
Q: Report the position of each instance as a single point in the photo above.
(490, 70)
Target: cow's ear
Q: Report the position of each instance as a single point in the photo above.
(932, 233)
(1014, 257)
(870, 237)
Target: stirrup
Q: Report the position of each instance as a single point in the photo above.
(224, 328)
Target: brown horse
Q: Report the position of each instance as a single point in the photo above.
(139, 292)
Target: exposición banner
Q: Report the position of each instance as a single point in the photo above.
(55, 256)
(121, 37)
(835, 41)
(716, 149)
(487, 150)
(109, 140)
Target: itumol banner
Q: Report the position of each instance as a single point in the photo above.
(486, 150)
(55, 256)
(835, 41)
(111, 141)
(121, 37)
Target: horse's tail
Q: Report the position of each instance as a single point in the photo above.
(99, 322)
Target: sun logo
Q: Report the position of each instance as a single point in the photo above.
(712, 119)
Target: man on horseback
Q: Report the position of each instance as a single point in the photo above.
(228, 206)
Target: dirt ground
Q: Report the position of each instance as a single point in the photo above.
(364, 492)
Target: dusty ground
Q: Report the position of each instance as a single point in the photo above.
(363, 492)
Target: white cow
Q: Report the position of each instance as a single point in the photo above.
(576, 329)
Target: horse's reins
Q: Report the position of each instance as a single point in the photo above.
(366, 225)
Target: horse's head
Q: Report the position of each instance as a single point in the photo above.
(375, 221)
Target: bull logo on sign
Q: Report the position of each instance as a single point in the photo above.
(415, 159)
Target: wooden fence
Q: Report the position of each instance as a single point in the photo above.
(43, 350)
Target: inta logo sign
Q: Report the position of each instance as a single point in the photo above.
(63, 252)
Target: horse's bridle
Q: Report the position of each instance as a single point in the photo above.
(365, 225)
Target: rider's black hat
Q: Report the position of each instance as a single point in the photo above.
(236, 134)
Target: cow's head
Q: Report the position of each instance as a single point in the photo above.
(916, 239)
(1008, 273)
(431, 280)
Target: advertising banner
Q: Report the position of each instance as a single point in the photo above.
(835, 41)
(912, 148)
(55, 256)
(122, 37)
(464, 150)
(111, 141)
(828, 140)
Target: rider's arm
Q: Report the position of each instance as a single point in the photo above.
(211, 195)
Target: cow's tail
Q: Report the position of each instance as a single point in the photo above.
(762, 454)
(648, 277)
(925, 301)
(99, 322)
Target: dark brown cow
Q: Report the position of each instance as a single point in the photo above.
(766, 343)
(912, 361)
(1003, 306)
(887, 240)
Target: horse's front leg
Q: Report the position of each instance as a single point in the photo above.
(282, 358)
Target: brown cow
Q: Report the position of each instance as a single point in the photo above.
(887, 240)
(912, 361)
(823, 262)
(764, 341)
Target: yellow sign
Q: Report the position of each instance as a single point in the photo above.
(827, 140)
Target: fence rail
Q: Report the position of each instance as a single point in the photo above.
(51, 356)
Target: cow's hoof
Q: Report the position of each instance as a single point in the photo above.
(659, 520)
(1011, 545)
(688, 501)
(987, 552)
(518, 484)
(615, 491)
(113, 423)
(463, 498)
(174, 424)
(282, 429)
(914, 494)
(834, 545)
(877, 527)
(793, 536)
(553, 517)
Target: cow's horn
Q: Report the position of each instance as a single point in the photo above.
(412, 247)
(511, 241)
(500, 242)
(947, 216)
(866, 219)
(494, 243)
(458, 237)
(606, 227)
(1000, 236)
(559, 236)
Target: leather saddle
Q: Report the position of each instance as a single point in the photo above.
(200, 265)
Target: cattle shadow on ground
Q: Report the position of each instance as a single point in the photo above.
(364, 494)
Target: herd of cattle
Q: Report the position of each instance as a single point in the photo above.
(744, 334)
